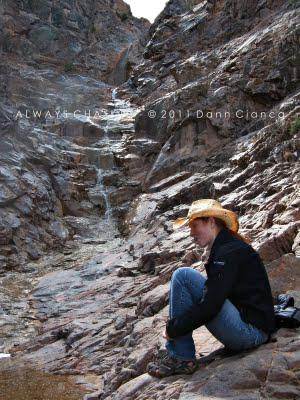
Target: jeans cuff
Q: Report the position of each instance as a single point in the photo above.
(182, 358)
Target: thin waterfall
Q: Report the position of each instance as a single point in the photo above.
(101, 187)
(114, 94)
(100, 184)
(121, 115)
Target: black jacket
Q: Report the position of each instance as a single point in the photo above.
(236, 272)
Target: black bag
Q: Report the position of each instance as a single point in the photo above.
(286, 315)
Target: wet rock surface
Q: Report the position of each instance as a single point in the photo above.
(74, 36)
(87, 248)
(69, 166)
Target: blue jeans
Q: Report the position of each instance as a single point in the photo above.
(227, 326)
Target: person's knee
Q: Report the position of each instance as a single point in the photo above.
(179, 273)
(186, 273)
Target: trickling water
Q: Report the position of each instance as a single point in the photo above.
(100, 184)
(17, 381)
(21, 382)
(119, 108)
(103, 191)
(114, 94)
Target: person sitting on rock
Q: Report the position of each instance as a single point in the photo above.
(235, 301)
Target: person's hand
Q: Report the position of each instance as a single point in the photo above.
(165, 335)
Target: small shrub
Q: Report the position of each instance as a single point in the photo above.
(190, 4)
(295, 127)
(31, 4)
(123, 16)
(293, 2)
(68, 67)
(57, 17)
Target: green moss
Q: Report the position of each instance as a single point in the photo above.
(190, 4)
(57, 16)
(122, 15)
(294, 3)
(295, 127)
(68, 67)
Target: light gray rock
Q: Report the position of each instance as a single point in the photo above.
(87, 256)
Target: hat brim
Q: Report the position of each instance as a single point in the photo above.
(180, 223)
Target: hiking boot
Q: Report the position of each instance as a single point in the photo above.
(168, 365)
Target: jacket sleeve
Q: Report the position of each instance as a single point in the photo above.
(222, 276)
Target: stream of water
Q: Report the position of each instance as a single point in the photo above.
(18, 381)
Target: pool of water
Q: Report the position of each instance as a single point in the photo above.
(19, 382)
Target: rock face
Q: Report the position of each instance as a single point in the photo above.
(211, 111)
(57, 68)
(77, 36)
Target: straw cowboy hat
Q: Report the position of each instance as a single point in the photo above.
(209, 208)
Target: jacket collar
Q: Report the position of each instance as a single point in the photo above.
(224, 236)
